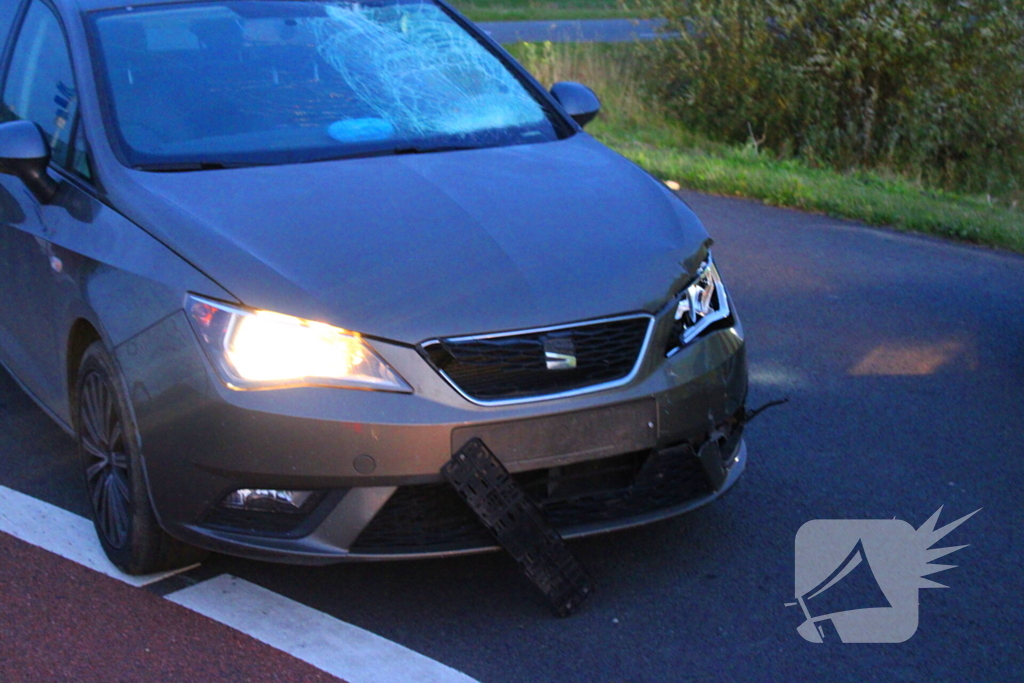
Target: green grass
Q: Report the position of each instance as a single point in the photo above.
(638, 128)
(535, 10)
(861, 196)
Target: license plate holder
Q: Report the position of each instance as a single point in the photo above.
(561, 439)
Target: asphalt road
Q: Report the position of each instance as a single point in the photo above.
(574, 31)
(902, 359)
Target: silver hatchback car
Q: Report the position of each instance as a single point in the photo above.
(274, 262)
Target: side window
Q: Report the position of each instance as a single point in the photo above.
(8, 8)
(40, 85)
(80, 154)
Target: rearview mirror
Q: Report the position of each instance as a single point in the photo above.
(25, 154)
(578, 100)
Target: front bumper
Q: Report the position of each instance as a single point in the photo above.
(202, 440)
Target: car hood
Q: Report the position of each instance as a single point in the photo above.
(418, 246)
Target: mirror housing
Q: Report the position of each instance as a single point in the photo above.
(578, 100)
(25, 154)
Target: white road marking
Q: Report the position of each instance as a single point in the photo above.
(63, 533)
(319, 639)
(329, 644)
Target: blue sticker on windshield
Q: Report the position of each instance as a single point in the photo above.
(361, 130)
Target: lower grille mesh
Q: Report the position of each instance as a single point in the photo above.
(431, 517)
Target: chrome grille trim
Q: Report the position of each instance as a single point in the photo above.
(551, 328)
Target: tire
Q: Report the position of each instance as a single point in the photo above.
(109, 450)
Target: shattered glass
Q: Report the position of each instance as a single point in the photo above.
(265, 81)
(420, 71)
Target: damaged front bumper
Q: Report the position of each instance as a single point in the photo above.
(428, 520)
(592, 463)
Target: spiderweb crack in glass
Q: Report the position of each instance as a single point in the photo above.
(420, 71)
(268, 82)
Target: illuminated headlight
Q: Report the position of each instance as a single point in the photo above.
(264, 350)
(703, 303)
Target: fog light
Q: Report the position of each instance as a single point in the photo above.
(267, 500)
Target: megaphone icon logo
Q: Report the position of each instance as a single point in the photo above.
(857, 580)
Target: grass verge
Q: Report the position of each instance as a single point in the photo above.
(638, 128)
(538, 10)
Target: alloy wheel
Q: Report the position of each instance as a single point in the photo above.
(106, 458)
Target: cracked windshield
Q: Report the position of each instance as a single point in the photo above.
(218, 85)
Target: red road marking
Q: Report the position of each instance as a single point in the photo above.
(61, 621)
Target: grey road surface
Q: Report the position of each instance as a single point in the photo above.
(903, 359)
(576, 31)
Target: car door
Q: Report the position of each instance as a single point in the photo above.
(39, 87)
(11, 209)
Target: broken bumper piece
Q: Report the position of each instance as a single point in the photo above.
(519, 526)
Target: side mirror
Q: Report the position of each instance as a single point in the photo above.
(24, 153)
(578, 100)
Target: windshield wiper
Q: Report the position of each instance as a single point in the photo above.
(428, 150)
(177, 166)
(181, 166)
(386, 152)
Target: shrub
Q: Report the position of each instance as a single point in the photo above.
(930, 88)
(612, 71)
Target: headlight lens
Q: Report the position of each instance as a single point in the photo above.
(264, 350)
(703, 303)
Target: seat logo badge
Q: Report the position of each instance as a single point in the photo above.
(559, 353)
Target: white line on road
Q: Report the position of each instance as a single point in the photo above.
(329, 644)
(63, 533)
(334, 646)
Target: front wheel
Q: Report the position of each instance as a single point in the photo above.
(109, 449)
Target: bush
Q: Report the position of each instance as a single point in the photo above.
(613, 71)
(930, 88)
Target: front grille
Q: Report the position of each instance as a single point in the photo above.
(537, 363)
(431, 517)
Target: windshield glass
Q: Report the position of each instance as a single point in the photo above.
(256, 82)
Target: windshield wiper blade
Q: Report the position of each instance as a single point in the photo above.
(182, 166)
(386, 152)
(428, 150)
(177, 166)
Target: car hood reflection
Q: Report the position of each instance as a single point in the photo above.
(440, 244)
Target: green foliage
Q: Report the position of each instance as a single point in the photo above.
(633, 122)
(612, 71)
(535, 10)
(929, 88)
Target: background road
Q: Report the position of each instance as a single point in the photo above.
(573, 31)
(902, 357)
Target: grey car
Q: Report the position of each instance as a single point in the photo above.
(273, 263)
